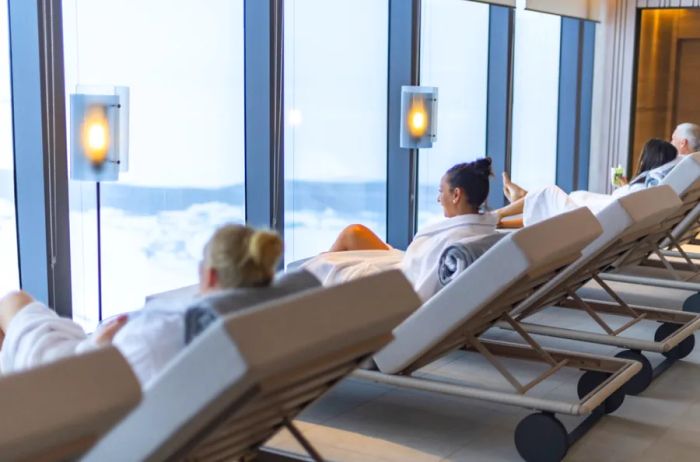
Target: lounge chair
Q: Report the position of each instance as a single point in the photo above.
(57, 411)
(630, 223)
(665, 263)
(250, 373)
(484, 294)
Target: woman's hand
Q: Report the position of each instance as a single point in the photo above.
(106, 333)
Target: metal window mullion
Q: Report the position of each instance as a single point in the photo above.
(264, 113)
(587, 54)
(39, 137)
(499, 97)
(568, 106)
(402, 164)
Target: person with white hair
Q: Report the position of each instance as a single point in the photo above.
(686, 138)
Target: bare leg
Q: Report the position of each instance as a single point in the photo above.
(358, 237)
(511, 223)
(512, 191)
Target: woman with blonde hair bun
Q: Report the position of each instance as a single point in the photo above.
(236, 257)
(239, 256)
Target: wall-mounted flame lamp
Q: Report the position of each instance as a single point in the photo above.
(418, 117)
(99, 135)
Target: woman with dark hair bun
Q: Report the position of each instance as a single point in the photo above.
(358, 251)
(657, 160)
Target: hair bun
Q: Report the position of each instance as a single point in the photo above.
(265, 248)
(483, 166)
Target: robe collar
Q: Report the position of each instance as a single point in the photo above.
(481, 222)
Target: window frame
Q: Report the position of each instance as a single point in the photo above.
(39, 126)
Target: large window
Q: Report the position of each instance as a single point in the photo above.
(9, 270)
(335, 120)
(454, 58)
(183, 64)
(535, 98)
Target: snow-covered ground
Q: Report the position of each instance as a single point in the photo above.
(148, 254)
(141, 254)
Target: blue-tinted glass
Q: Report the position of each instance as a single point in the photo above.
(183, 64)
(535, 98)
(454, 58)
(9, 270)
(335, 120)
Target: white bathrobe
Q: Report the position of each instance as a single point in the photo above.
(151, 338)
(549, 201)
(420, 261)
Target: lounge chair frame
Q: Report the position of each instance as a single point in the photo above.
(620, 372)
(674, 338)
(256, 370)
(678, 230)
(599, 389)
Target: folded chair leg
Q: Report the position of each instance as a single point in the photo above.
(667, 264)
(609, 290)
(685, 256)
(479, 346)
(268, 454)
(542, 355)
(315, 456)
(585, 307)
(528, 338)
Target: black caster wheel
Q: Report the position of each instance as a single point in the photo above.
(692, 304)
(681, 350)
(641, 381)
(541, 437)
(590, 380)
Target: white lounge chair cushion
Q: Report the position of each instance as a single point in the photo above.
(631, 213)
(245, 353)
(57, 411)
(685, 175)
(624, 215)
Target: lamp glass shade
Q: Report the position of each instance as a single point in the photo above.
(418, 117)
(94, 137)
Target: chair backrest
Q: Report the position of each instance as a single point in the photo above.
(627, 222)
(505, 275)
(237, 383)
(205, 310)
(685, 176)
(57, 411)
(685, 181)
(689, 227)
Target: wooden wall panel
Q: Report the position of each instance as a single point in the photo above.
(668, 87)
(687, 94)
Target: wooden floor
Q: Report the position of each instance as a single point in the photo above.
(361, 421)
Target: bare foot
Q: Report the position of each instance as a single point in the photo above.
(512, 191)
